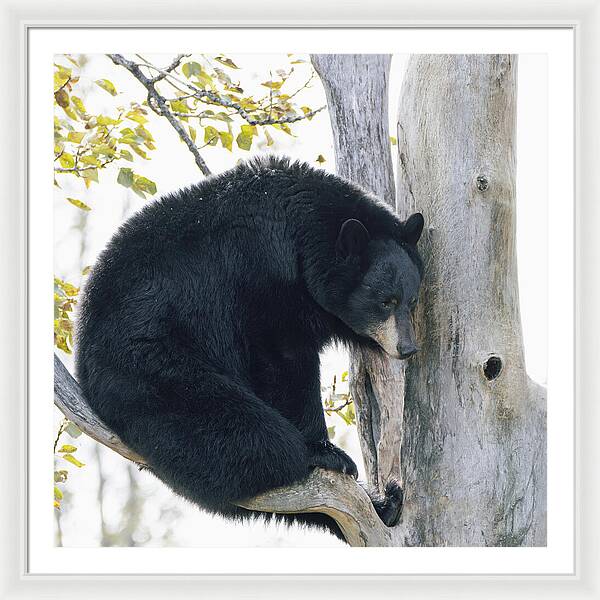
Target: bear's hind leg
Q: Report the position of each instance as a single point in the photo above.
(213, 441)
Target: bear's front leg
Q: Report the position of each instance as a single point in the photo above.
(326, 455)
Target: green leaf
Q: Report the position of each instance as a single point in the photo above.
(88, 159)
(60, 476)
(211, 135)
(223, 117)
(107, 86)
(393, 140)
(179, 106)
(125, 177)
(244, 141)
(79, 204)
(204, 80)
(331, 432)
(226, 139)
(345, 376)
(78, 104)
(191, 68)
(58, 495)
(90, 175)
(138, 191)
(144, 184)
(139, 151)
(192, 133)
(320, 159)
(126, 155)
(70, 458)
(61, 76)
(105, 150)
(71, 428)
(143, 133)
(75, 136)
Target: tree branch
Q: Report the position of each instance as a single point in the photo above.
(333, 494)
(160, 107)
(207, 96)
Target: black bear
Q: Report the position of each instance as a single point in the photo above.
(200, 327)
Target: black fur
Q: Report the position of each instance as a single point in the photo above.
(201, 324)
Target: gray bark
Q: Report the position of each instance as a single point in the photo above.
(356, 86)
(474, 452)
(473, 460)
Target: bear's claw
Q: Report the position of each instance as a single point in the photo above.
(328, 456)
(389, 507)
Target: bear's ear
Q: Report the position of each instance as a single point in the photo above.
(352, 238)
(413, 228)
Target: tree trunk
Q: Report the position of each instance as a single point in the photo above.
(474, 452)
(356, 86)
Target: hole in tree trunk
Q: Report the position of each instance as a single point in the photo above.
(492, 367)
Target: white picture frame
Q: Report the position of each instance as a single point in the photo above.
(18, 19)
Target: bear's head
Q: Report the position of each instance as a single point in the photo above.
(381, 284)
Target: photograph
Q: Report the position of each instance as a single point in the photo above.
(300, 300)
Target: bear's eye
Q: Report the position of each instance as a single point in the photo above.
(389, 303)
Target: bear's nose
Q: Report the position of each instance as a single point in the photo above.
(405, 352)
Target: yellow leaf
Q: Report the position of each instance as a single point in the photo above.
(272, 85)
(73, 460)
(211, 135)
(67, 448)
(137, 117)
(226, 61)
(67, 160)
(249, 130)
(226, 139)
(107, 86)
(69, 289)
(320, 159)
(79, 204)
(144, 184)
(75, 136)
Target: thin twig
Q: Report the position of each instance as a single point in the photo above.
(161, 108)
(226, 102)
